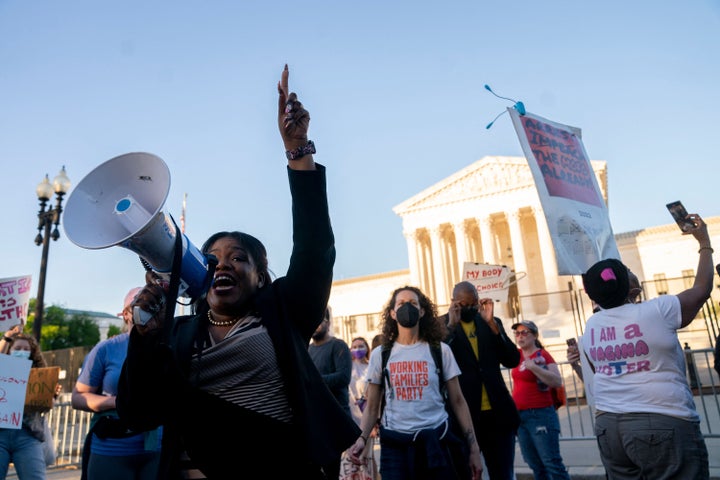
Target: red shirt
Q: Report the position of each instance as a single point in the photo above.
(526, 391)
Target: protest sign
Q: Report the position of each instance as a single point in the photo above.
(41, 388)
(14, 373)
(491, 281)
(576, 214)
(14, 300)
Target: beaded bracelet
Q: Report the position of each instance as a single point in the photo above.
(299, 152)
(706, 248)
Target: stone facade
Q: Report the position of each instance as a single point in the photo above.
(490, 212)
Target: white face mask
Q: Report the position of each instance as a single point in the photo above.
(21, 354)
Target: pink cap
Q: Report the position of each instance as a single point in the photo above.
(129, 298)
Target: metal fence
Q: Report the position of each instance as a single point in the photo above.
(576, 418)
(69, 426)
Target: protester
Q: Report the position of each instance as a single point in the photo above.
(539, 430)
(331, 356)
(480, 345)
(360, 351)
(646, 422)
(24, 447)
(716, 352)
(581, 369)
(234, 386)
(716, 355)
(110, 451)
(415, 438)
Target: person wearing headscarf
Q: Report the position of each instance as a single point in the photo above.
(646, 422)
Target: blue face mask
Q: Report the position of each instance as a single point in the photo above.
(21, 354)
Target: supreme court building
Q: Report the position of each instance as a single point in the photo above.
(490, 212)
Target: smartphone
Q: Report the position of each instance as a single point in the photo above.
(678, 212)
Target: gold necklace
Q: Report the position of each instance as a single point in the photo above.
(226, 323)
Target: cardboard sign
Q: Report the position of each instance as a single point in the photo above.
(41, 388)
(14, 374)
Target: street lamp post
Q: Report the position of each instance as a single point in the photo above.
(46, 219)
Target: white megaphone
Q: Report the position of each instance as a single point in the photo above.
(119, 203)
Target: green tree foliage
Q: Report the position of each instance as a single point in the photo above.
(58, 332)
(113, 330)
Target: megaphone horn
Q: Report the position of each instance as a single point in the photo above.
(119, 203)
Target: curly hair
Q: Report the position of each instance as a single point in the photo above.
(35, 354)
(431, 329)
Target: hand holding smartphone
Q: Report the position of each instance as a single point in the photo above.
(573, 353)
(680, 214)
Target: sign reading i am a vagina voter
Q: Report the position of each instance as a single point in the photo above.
(576, 214)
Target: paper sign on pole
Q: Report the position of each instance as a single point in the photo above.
(14, 374)
(41, 388)
(14, 301)
(576, 214)
(491, 281)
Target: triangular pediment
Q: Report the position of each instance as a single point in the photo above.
(490, 175)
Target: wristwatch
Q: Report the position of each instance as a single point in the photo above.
(301, 151)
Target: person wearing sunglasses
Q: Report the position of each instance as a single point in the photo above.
(539, 430)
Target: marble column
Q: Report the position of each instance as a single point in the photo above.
(547, 254)
(414, 259)
(461, 247)
(487, 240)
(518, 248)
(439, 293)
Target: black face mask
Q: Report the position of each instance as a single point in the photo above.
(408, 315)
(467, 314)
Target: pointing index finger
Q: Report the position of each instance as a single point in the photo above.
(284, 81)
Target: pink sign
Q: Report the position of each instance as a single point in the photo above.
(561, 159)
(14, 301)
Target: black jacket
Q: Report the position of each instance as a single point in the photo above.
(154, 388)
(493, 351)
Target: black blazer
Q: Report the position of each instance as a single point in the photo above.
(493, 351)
(154, 388)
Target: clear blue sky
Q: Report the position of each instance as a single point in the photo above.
(395, 92)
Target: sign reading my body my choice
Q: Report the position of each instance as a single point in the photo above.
(491, 281)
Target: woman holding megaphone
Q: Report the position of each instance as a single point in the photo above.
(233, 384)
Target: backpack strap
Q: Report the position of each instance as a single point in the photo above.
(436, 351)
(386, 349)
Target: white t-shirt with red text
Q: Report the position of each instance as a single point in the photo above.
(414, 402)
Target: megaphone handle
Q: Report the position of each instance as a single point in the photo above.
(145, 264)
(174, 285)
